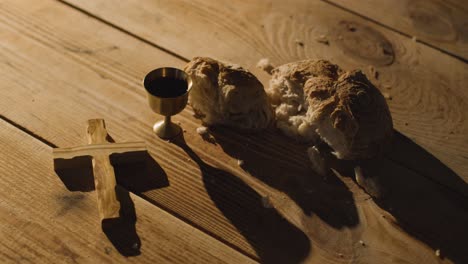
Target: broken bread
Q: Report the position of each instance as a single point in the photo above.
(227, 94)
(289, 99)
(317, 102)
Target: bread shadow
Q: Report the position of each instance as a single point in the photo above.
(284, 165)
(273, 238)
(432, 212)
(428, 199)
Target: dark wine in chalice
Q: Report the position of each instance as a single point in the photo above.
(167, 90)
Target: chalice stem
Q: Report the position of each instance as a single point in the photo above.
(166, 129)
(167, 120)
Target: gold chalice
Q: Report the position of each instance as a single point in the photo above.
(167, 90)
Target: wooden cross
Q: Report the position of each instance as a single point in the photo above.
(100, 148)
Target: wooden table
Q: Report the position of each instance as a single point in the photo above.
(64, 62)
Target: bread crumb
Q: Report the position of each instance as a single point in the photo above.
(414, 38)
(107, 250)
(188, 160)
(350, 27)
(202, 130)
(374, 72)
(387, 86)
(178, 123)
(437, 252)
(266, 203)
(322, 39)
(299, 42)
(387, 96)
(265, 65)
(240, 162)
(135, 246)
(340, 255)
(185, 131)
(362, 243)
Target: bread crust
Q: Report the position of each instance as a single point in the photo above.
(343, 109)
(227, 94)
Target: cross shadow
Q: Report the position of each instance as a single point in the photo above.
(434, 213)
(134, 171)
(138, 172)
(121, 231)
(284, 165)
(274, 239)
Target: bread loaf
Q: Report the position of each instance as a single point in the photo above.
(227, 94)
(317, 101)
(335, 112)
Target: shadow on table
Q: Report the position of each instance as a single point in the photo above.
(284, 165)
(274, 239)
(134, 171)
(122, 231)
(416, 183)
(138, 172)
(425, 208)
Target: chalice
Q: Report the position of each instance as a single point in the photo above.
(167, 90)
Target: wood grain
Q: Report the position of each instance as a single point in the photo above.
(441, 24)
(42, 222)
(109, 81)
(272, 208)
(428, 101)
(103, 171)
(96, 149)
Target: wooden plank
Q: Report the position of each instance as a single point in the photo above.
(426, 88)
(96, 149)
(42, 222)
(441, 24)
(103, 171)
(337, 215)
(60, 74)
(312, 220)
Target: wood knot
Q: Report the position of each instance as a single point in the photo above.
(432, 20)
(364, 43)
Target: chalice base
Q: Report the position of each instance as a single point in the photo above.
(166, 130)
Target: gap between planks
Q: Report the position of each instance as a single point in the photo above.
(154, 203)
(172, 53)
(141, 202)
(67, 7)
(123, 30)
(27, 131)
(451, 54)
